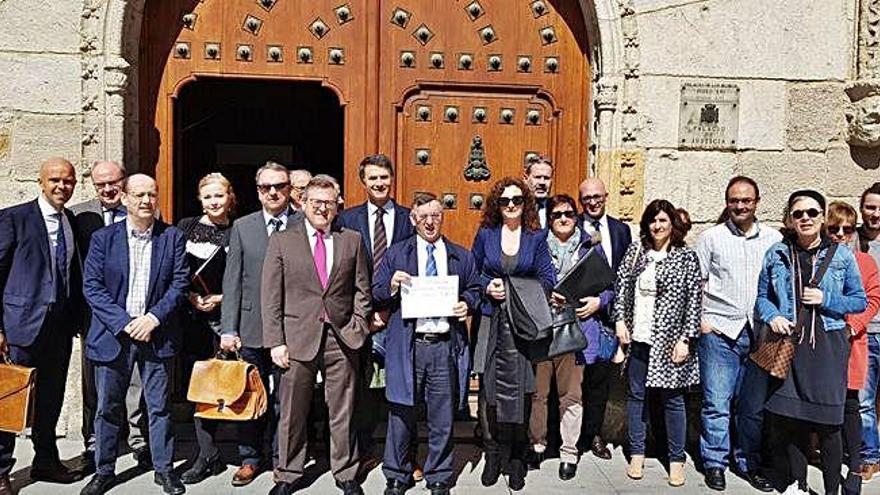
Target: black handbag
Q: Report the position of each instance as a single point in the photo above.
(527, 309)
(566, 336)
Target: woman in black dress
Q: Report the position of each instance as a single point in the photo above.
(812, 395)
(509, 242)
(207, 238)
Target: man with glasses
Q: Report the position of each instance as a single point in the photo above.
(421, 353)
(241, 321)
(315, 308)
(108, 177)
(298, 180)
(615, 238)
(41, 308)
(731, 255)
(869, 242)
(538, 175)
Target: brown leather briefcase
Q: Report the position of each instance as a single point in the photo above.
(16, 396)
(227, 389)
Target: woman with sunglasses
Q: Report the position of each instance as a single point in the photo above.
(508, 243)
(841, 227)
(567, 243)
(657, 313)
(811, 397)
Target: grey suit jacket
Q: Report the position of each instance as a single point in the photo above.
(242, 279)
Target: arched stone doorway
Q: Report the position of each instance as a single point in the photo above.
(111, 85)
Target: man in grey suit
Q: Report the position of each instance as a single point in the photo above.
(241, 322)
(108, 177)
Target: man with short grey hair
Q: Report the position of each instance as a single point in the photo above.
(298, 180)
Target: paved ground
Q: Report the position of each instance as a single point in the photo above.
(594, 477)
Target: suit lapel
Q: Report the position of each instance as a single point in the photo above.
(37, 220)
(156, 256)
(337, 257)
(119, 244)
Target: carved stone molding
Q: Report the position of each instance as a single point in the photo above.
(869, 39)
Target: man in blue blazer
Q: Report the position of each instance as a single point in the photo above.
(381, 223)
(421, 353)
(41, 309)
(615, 237)
(136, 281)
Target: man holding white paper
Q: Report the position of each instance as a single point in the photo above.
(421, 352)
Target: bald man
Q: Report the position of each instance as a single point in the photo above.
(614, 237)
(41, 291)
(136, 281)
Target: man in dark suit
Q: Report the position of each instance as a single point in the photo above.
(136, 281)
(241, 321)
(41, 291)
(421, 352)
(381, 223)
(615, 237)
(106, 209)
(316, 300)
(538, 175)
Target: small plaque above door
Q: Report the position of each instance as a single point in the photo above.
(708, 116)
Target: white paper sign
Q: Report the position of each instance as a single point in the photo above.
(429, 297)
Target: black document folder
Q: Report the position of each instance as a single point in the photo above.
(589, 276)
(208, 278)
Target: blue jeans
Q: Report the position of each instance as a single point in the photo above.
(637, 413)
(112, 381)
(868, 404)
(722, 369)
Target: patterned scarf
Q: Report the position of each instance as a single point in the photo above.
(564, 254)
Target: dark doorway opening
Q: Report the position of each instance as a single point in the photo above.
(234, 126)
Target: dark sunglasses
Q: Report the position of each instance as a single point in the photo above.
(516, 201)
(556, 215)
(841, 229)
(264, 188)
(810, 212)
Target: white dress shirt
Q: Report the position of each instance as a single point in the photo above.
(50, 218)
(267, 218)
(432, 325)
(387, 219)
(118, 214)
(604, 234)
(542, 212)
(328, 244)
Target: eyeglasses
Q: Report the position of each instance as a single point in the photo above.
(322, 203)
(810, 212)
(741, 201)
(265, 188)
(556, 215)
(424, 217)
(595, 198)
(841, 229)
(113, 183)
(515, 200)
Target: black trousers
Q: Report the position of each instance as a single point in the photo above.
(791, 440)
(595, 387)
(50, 355)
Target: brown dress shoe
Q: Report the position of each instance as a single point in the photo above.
(418, 472)
(245, 474)
(5, 485)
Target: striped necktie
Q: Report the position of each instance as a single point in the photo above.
(380, 238)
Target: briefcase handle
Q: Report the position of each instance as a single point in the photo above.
(224, 355)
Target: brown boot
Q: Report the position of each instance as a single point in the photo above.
(676, 473)
(636, 467)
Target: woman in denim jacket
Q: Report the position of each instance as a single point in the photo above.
(811, 398)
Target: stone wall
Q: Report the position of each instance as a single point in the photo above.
(791, 60)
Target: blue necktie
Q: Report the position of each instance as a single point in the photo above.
(60, 262)
(431, 264)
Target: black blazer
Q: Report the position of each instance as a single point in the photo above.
(621, 238)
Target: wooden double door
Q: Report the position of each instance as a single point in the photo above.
(458, 92)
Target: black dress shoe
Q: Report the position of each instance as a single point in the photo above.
(169, 482)
(99, 485)
(759, 481)
(144, 458)
(396, 487)
(534, 460)
(715, 479)
(202, 469)
(516, 479)
(87, 465)
(55, 472)
(439, 488)
(491, 469)
(567, 470)
(351, 487)
(282, 488)
(599, 449)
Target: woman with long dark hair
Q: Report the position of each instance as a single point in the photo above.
(509, 243)
(657, 313)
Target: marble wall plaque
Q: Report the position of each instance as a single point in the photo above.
(708, 116)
